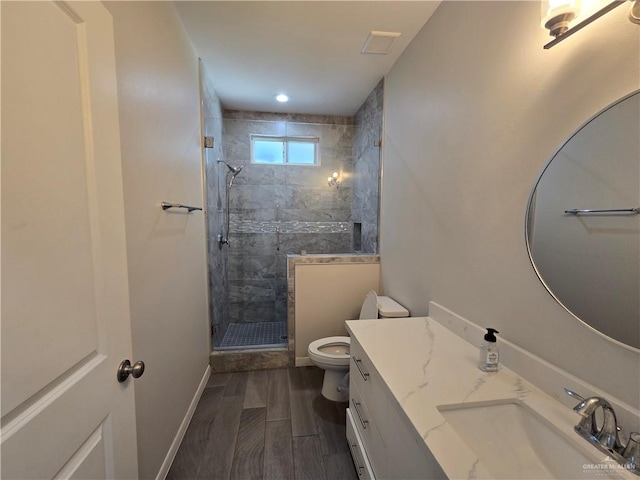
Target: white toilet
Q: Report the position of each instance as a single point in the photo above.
(332, 353)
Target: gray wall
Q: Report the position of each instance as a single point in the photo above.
(366, 170)
(472, 115)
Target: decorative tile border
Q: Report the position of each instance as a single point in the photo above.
(271, 226)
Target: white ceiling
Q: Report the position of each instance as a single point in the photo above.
(310, 50)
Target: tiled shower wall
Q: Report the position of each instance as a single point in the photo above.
(366, 171)
(282, 209)
(216, 205)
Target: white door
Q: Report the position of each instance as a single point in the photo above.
(65, 307)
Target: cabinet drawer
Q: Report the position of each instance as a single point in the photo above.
(367, 430)
(362, 372)
(370, 384)
(360, 459)
(394, 449)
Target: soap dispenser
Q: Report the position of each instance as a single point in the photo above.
(489, 353)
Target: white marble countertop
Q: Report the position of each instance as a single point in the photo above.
(424, 365)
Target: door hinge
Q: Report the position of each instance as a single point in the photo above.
(208, 142)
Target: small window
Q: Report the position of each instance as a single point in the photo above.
(273, 150)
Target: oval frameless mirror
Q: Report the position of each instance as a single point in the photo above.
(590, 260)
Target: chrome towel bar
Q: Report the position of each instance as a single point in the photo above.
(167, 206)
(615, 210)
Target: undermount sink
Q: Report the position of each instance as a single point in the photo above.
(513, 441)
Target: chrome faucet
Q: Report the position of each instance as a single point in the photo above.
(605, 438)
(607, 435)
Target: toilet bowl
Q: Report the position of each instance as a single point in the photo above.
(332, 353)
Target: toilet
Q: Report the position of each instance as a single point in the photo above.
(332, 353)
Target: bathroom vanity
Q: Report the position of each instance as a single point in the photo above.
(380, 435)
(420, 408)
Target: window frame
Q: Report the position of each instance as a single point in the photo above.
(285, 139)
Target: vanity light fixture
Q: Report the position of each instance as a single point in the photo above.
(334, 180)
(557, 14)
(281, 97)
(634, 12)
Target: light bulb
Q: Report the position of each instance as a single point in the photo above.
(634, 12)
(556, 15)
(333, 180)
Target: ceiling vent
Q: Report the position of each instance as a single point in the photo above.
(379, 43)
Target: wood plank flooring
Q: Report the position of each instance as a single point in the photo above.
(268, 424)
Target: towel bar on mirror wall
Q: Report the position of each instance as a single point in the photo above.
(167, 206)
(575, 211)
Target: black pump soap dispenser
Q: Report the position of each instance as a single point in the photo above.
(489, 352)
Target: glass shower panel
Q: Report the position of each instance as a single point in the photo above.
(276, 210)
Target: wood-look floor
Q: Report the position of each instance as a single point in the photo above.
(268, 424)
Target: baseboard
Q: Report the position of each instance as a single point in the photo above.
(303, 362)
(175, 445)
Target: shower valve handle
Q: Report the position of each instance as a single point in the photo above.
(222, 241)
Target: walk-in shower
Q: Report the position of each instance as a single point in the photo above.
(259, 213)
(252, 321)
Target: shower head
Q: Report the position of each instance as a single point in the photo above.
(234, 170)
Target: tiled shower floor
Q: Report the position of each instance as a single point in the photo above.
(254, 335)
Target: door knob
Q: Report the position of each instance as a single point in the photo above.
(125, 369)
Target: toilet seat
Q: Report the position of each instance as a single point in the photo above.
(332, 354)
(318, 351)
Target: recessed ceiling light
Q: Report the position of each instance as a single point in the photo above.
(281, 97)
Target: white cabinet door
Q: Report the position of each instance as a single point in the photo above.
(65, 305)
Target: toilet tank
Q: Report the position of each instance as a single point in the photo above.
(389, 308)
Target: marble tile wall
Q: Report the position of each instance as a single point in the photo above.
(366, 169)
(283, 209)
(216, 205)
